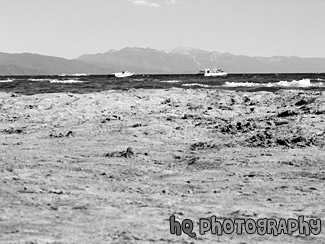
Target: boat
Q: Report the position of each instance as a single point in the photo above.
(212, 72)
(123, 74)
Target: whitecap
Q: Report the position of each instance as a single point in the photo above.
(298, 83)
(76, 74)
(34, 79)
(66, 81)
(196, 84)
(6, 81)
(294, 83)
(58, 81)
(248, 84)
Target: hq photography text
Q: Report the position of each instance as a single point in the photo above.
(263, 226)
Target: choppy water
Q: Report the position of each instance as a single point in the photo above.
(30, 85)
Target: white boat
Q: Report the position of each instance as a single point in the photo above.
(213, 72)
(123, 74)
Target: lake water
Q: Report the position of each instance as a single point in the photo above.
(30, 85)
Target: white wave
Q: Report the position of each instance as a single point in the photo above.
(170, 81)
(294, 83)
(298, 83)
(66, 81)
(76, 74)
(196, 84)
(138, 79)
(58, 81)
(32, 79)
(248, 84)
(7, 80)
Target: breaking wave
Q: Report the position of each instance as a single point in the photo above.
(299, 83)
(197, 84)
(294, 83)
(33, 79)
(66, 81)
(77, 74)
(57, 81)
(248, 84)
(6, 81)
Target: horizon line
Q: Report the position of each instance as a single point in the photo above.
(170, 50)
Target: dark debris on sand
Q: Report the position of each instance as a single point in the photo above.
(128, 153)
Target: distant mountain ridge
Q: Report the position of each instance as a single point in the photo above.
(189, 60)
(142, 60)
(183, 60)
(35, 64)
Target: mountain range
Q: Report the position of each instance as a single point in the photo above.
(153, 61)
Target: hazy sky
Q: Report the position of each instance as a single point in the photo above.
(69, 28)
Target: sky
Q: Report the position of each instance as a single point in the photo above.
(70, 28)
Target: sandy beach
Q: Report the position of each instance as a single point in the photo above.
(113, 166)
